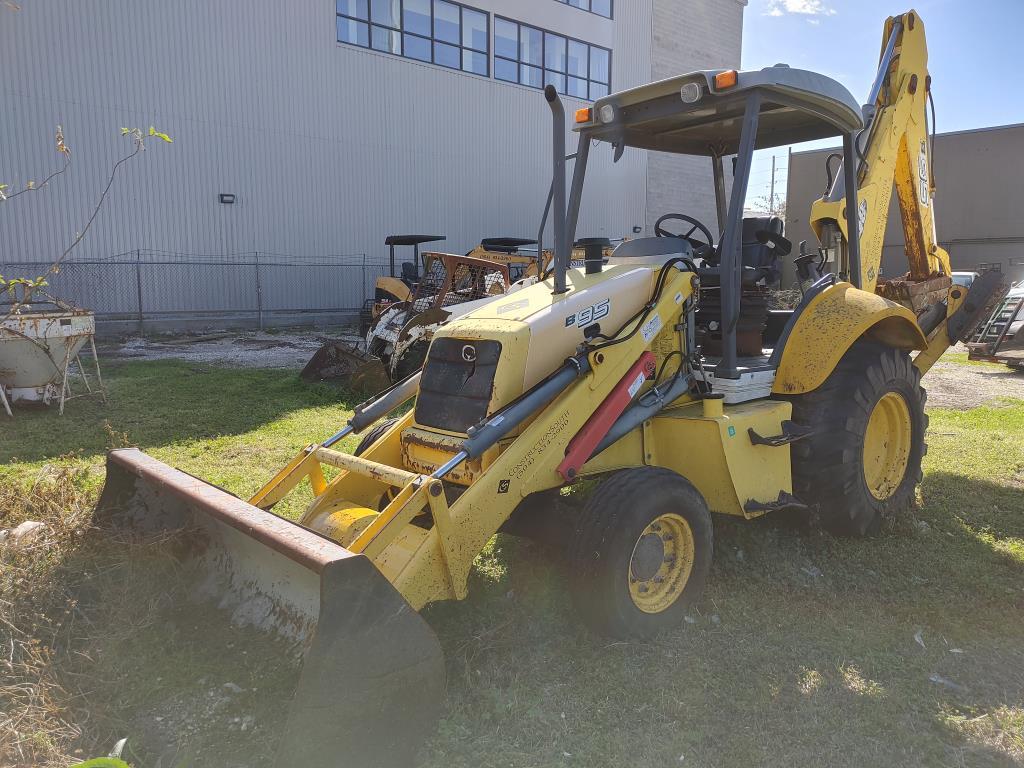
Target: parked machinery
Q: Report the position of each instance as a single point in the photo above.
(597, 373)
(399, 283)
(1000, 339)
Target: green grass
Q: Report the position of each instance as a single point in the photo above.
(779, 666)
(233, 427)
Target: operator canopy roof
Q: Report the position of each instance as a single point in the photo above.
(412, 239)
(796, 106)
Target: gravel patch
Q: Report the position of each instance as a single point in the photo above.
(956, 385)
(245, 350)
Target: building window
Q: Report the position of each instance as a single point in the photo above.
(600, 7)
(535, 57)
(435, 31)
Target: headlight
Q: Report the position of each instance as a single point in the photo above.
(606, 113)
(690, 93)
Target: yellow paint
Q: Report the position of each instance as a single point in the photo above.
(393, 287)
(887, 442)
(427, 564)
(713, 407)
(894, 149)
(284, 481)
(715, 454)
(359, 488)
(828, 327)
(668, 542)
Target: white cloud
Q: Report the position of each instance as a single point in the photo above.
(805, 7)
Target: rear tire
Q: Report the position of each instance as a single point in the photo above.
(641, 553)
(864, 460)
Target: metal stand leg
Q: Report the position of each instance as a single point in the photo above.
(3, 399)
(64, 384)
(85, 376)
(96, 361)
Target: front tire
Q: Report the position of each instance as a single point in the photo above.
(373, 436)
(863, 461)
(641, 554)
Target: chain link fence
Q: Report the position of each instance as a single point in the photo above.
(148, 290)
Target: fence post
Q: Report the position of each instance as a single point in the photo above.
(259, 295)
(362, 284)
(138, 288)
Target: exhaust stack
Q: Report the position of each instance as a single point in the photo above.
(558, 185)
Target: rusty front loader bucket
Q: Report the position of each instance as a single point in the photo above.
(344, 363)
(372, 680)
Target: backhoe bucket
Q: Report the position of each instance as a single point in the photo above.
(344, 363)
(372, 680)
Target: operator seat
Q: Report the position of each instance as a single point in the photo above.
(760, 261)
(409, 273)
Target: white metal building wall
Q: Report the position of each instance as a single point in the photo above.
(690, 35)
(327, 147)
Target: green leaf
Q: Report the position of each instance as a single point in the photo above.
(103, 762)
(124, 131)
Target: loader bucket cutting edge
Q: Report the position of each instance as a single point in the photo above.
(372, 680)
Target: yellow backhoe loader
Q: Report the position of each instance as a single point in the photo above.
(660, 373)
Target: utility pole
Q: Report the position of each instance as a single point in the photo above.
(771, 196)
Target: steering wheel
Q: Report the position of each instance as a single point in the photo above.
(701, 247)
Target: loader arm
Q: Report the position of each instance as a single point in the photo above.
(431, 563)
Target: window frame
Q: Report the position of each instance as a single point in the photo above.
(590, 8)
(544, 69)
(431, 41)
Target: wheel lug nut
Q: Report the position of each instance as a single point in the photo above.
(643, 587)
(666, 537)
(655, 526)
(658, 579)
(670, 560)
(632, 579)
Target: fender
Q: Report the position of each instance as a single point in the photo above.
(821, 332)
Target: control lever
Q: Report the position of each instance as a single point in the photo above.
(808, 265)
(773, 240)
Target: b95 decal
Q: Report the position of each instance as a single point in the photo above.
(589, 315)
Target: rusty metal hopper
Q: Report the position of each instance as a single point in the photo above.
(372, 679)
(36, 347)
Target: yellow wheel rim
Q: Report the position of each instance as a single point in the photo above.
(661, 563)
(887, 445)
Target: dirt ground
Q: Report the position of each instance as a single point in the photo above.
(950, 384)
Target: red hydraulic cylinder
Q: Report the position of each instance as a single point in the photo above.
(582, 446)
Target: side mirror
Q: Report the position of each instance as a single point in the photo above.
(773, 240)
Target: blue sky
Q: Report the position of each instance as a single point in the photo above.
(974, 50)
